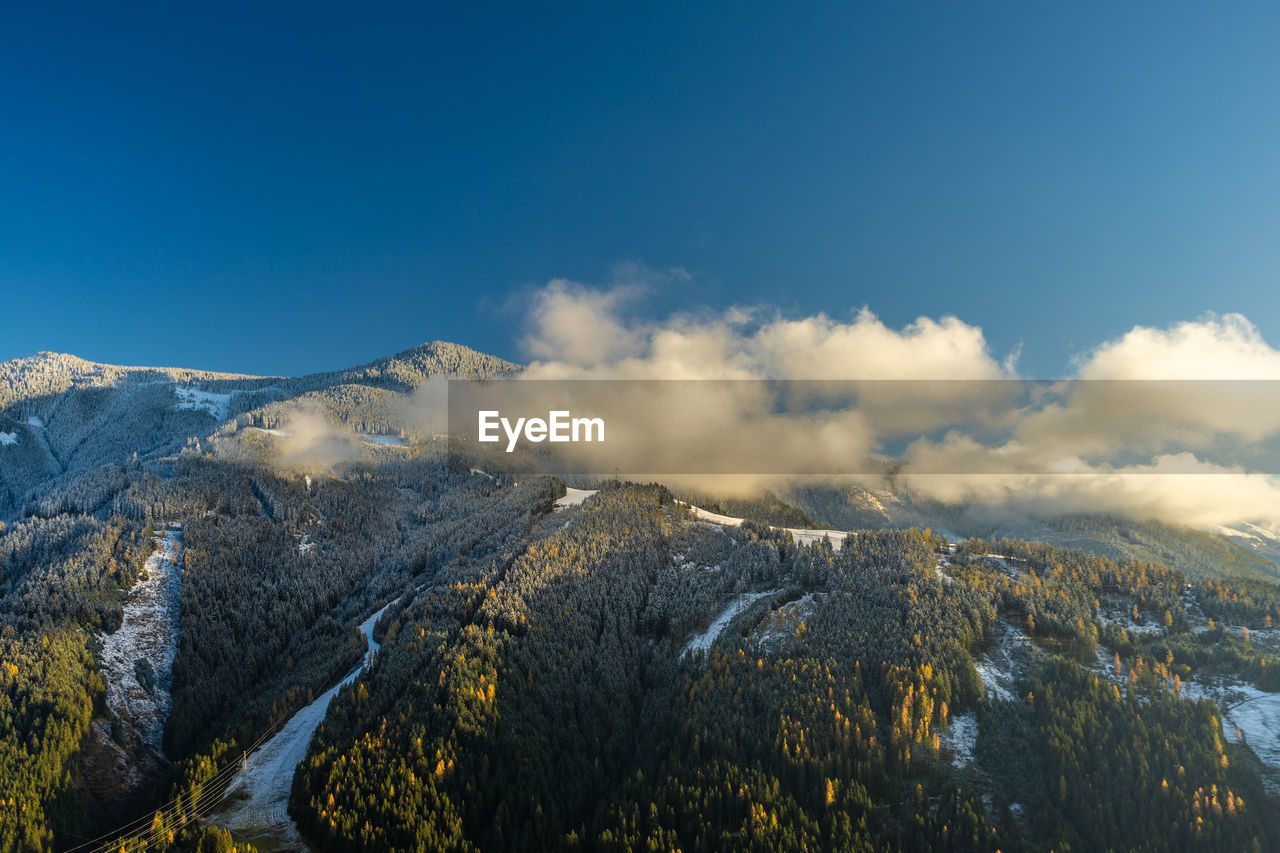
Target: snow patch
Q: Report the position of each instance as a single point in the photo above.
(573, 497)
(8, 438)
(1002, 562)
(998, 668)
(1126, 622)
(783, 621)
(940, 568)
(703, 641)
(801, 535)
(218, 406)
(960, 737)
(35, 421)
(1249, 715)
(142, 648)
(384, 440)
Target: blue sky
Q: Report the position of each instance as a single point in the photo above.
(286, 190)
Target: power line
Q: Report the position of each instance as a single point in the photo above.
(172, 808)
(134, 825)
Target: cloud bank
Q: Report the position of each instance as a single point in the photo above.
(1186, 443)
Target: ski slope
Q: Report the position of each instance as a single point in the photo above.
(259, 793)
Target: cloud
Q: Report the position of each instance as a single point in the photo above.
(1193, 450)
(580, 332)
(311, 442)
(1226, 347)
(426, 411)
(1175, 487)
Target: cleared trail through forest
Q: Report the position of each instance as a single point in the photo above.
(137, 659)
(800, 535)
(259, 793)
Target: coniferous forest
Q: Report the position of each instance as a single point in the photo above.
(616, 673)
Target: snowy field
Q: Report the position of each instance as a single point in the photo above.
(801, 535)
(1126, 622)
(259, 794)
(1261, 538)
(999, 667)
(1248, 714)
(703, 641)
(775, 628)
(572, 496)
(782, 623)
(148, 633)
(217, 405)
(960, 737)
(1258, 719)
(384, 440)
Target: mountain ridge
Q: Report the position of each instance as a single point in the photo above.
(64, 416)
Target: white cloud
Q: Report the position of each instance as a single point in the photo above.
(1213, 347)
(577, 331)
(1168, 450)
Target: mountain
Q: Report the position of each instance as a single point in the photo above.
(63, 417)
(202, 647)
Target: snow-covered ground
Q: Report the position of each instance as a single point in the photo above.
(805, 536)
(259, 793)
(801, 535)
(1258, 719)
(1248, 712)
(999, 667)
(775, 627)
(149, 632)
(944, 563)
(385, 440)
(573, 497)
(1261, 538)
(960, 737)
(1003, 562)
(35, 421)
(703, 641)
(1126, 622)
(8, 438)
(217, 405)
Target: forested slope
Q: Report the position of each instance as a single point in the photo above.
(548, 701)
(616, 676)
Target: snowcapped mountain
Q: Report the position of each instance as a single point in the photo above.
(62, 416)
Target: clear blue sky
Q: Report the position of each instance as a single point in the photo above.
(279, 191)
